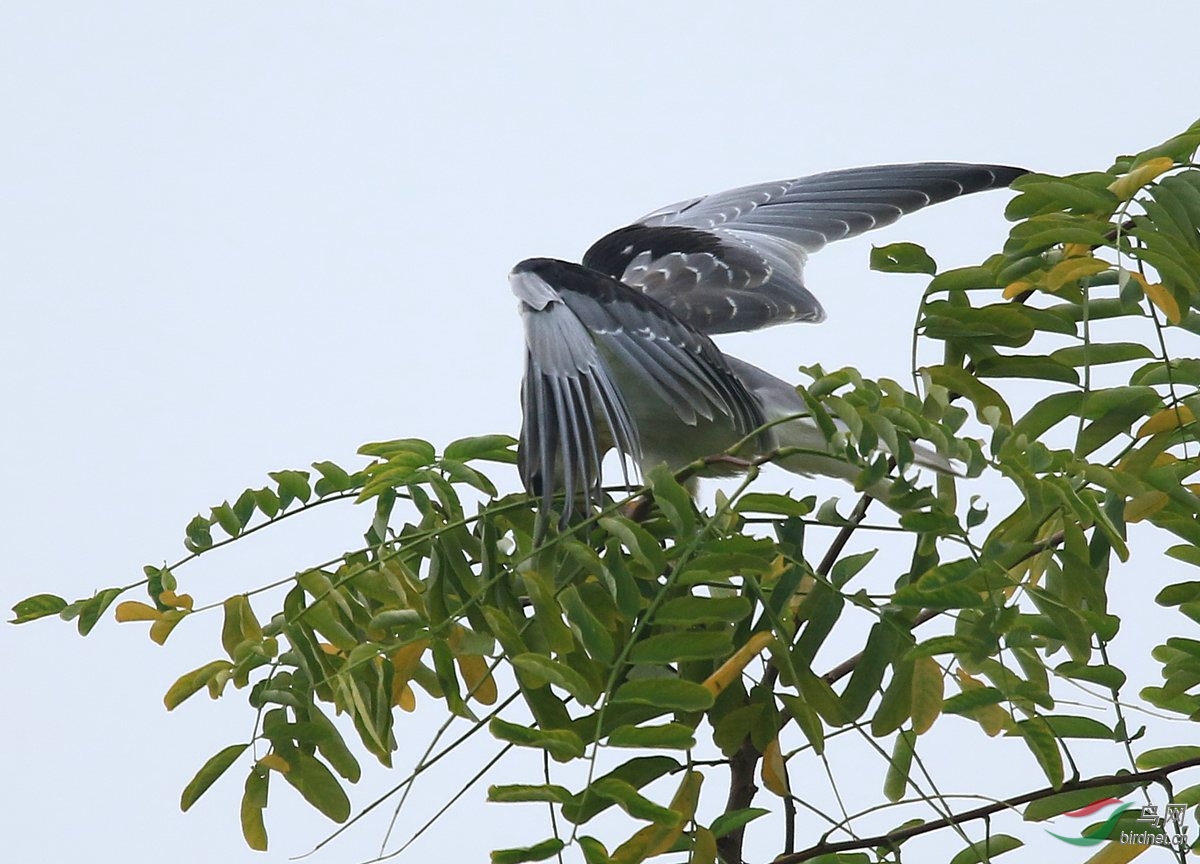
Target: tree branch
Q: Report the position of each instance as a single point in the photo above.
(741, 793)
(896, 837)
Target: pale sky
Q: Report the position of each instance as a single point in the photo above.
(238, 237)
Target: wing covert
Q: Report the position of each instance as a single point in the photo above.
(733, 261)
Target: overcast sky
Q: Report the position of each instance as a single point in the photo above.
(238, 237)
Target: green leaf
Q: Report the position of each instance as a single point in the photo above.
(1108, 676)
(953, 596)
(673, 694)
(198, 535)
(637, 540)
(592, 633)
(896, 779)
(421, 452)
(487, 448)
(254, 800)
(593, 851)
(267, 502)
(1042, 193)
(544, 670)
(850, 566)
(312, 778)
(1099, 353)
(773, 503)
(731, 821)
(1067, 726)
(1048, 413)
(293, 486)
(208, 774)
(538, 852)
(1184, 552)
(90, 610)
(876, 655)
(1055, 805)
(667, 736)
(962, 279)
(807, 719)
(687, 645)
(562, 744)
(902, 258)
(928, 688)
(969, 700)
(224, 516)
(37, 606)
(1178, 593)
(1037, 367)
(959, 380)
(1041, 741)
(1160, 757)
(191, 682)
(633, 802)
(333, 479)
(703, 610)
(638, 772)
(457, 472)
(521, 793)
(987, 850)
(672, 499)
(1003, 324)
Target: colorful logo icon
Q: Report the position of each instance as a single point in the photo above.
(1101, 832)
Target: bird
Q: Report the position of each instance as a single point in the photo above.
(618, 348)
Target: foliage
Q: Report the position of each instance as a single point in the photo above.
(652, 627)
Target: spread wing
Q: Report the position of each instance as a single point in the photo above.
(733, 261)
(601, 359)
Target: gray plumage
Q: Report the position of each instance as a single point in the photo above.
(618, 352)
(733, 261)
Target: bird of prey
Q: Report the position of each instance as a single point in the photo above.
(618, 352)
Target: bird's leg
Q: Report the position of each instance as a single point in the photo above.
(729, 459)
(638, 509)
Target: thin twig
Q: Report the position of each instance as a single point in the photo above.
(1151, 776)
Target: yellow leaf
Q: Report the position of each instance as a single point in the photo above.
(1076, 250)
(134, 610)
(928, 693)
(404, 662)
(774, 770)
(275, 762)
(403, 695)
(1126, 187)
(1146, 504)
(1160, 297)
(1071, 269)
(1117, 853)
(179, 601)
(406, 658)
(479, 681)
(657, 839)
(732, 668)
(1016, 289)
(161, 629)
(1166, 420)
(704, 848)
(332, 650)
(1165, 301)
(992, 718)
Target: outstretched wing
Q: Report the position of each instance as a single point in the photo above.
(733, 261)
(602, 360)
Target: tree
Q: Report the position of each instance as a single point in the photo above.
(659, 646)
